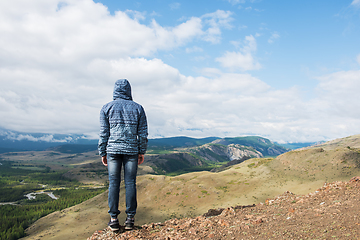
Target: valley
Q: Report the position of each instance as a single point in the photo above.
(167, 191)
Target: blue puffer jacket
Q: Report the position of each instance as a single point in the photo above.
(123, 125)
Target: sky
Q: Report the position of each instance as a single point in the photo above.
(285, 70)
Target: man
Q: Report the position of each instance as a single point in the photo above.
(123, 142)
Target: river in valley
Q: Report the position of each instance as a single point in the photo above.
(31, 196)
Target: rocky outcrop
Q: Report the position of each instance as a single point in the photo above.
(262, 145)
(221, 150)
(223, 153)
(210, 152)
(236, 151)
(331, 212)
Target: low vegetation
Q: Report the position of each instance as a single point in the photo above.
(176, 182)
(17, 180)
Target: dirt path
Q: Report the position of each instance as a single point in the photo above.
(331, 212)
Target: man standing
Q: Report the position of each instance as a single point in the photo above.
(123, 142)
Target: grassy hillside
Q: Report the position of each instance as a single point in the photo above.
(165, 158)
(350, 141)
(192, 194)
(294, 146)
(82, 163)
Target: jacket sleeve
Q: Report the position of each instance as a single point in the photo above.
(142, 132)
(104, 133)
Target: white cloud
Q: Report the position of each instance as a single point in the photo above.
(358, 59)
(211, 72)
(55, 74)
(235, 2)
(135, 14)
(45, 32)
(58, 64)
(242, 60)
(355, 3)
(174, 5)
(193, 49)
(45, 138)
(241, 27)
(238, 60)
(216, 21)
(274, 36)
(339, 93)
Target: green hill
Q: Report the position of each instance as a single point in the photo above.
(192, 155)
(250, 182)
(263, 145)
(163, 145)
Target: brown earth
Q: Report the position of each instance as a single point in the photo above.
(331, 212)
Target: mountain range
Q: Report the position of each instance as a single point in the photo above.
(13, 141)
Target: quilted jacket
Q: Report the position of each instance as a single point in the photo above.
(123, 124)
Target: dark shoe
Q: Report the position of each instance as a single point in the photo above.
(129, 223)
(114, 225)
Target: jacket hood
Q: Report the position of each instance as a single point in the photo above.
(122, 89)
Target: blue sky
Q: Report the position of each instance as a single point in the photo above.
(293, 37)
(285, 70)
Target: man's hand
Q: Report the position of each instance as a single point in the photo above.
(104, 160)
(140, 159)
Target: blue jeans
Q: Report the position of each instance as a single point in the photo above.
(130, 163)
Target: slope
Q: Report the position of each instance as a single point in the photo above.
(250, 182)
(331, 212)
(176, 160)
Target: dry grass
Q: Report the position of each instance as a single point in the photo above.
(253, 181)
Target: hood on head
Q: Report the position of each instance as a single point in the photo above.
(122, 89)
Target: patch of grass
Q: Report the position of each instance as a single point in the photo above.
(223, 188)
(19, 181)
(30, 168)
(189, 170)
(159, 151)
(251, 165)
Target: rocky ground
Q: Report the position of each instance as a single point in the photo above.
(331, 212)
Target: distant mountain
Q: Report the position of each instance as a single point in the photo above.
(11, 141)
(299, 145)
(175, 142)
(172, 155)
(206, 156)
(74, 148)
(263, 145)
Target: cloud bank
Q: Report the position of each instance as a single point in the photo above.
(60, 59)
